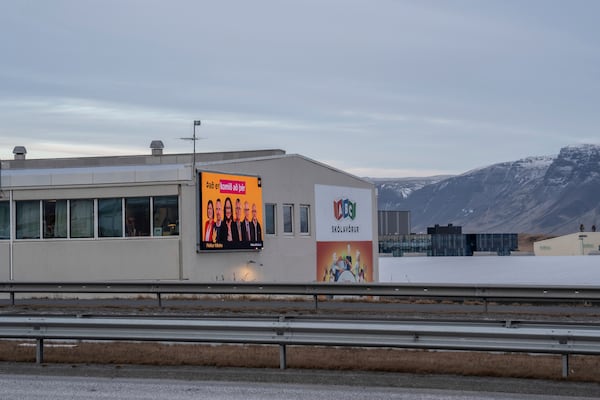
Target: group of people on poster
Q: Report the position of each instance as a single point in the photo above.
(343, 270)
(228, 227)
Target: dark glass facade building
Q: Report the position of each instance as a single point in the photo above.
(449, 240)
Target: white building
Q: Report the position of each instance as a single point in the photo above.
(575, 244)
(143, 217)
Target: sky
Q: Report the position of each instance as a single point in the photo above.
(377, 88)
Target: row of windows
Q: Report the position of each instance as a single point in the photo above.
(288, 219)
(89, 218)
(119, 217)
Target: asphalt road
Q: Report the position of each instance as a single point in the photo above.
(27, 381)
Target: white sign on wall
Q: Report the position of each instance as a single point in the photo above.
(343, 214)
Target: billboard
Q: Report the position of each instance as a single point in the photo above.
(230, 212)
(344, 232)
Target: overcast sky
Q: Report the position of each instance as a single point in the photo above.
(376, 88)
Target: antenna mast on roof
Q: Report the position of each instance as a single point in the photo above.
(193, 139)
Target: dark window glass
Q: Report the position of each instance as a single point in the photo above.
(82, 218)
(28, 219)
(166, 216)
(270, 219)
(4, 220)
(304, 219)
(55, 218)
(137, 216)
(110, 217)
(288, 218)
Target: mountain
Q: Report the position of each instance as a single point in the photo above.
(545, 194)
(391, 191)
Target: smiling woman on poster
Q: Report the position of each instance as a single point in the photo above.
(209, 226)
(226, 232)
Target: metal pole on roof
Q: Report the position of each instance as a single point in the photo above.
(194, 138)
(195, 180)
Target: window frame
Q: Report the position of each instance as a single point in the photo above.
(172, 220)
(86, 235)
(118, 200)
(132, 210)
(19, 223)
(5, 220)
(303, 207)
(270, 228)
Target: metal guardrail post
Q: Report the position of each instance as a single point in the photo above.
(282, 348)
(39, 351)
(282, 356)
(565, 365)
(12, 298)
(159, 299)
(485, 305)
(316, 302)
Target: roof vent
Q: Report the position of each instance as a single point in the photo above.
(19, 152)
(157, 147)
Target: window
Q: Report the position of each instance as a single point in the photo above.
(4, 220)
(288, 218)
(166, 216)
(55, 219)
(137, 216)
(304, 219)
(270, 219)
(28, 219)
(110, 217)
(82, 218)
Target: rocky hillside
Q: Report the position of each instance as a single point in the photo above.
(545, 194)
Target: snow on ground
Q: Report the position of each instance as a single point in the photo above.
(559, 270)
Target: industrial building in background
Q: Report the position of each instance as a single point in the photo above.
(576, 244)
(448, 241)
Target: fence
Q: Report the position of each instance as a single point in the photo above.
(528, 337)
(483, 293)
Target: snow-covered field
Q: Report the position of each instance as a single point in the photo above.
(562, 270)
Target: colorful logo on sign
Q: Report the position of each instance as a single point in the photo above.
(344, 209)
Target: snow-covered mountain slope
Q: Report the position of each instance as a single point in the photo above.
(546, 194)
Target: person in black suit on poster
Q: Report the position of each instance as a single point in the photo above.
(247, 223)
(239, 234)
(256, 232)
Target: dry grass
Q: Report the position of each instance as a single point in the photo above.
(582, 368)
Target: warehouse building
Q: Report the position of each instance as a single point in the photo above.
(574, 244)
(156, 217)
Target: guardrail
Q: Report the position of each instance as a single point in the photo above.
(515, 336)
(484, 293)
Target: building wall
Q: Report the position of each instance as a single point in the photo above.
(97, 259)
(284, 258)
(575, 244)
